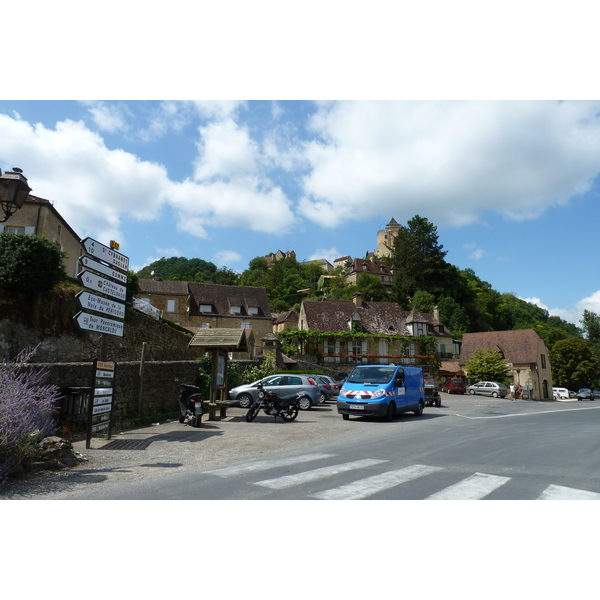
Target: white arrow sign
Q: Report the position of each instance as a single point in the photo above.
(89, 301)
(90, 263)
(94, 282)
(102, 252)
(99, 324)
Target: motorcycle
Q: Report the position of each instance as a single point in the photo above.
(273, 406)
(190, 404)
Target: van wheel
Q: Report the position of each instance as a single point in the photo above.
(438, 402)
(419, 411)
(345, 417)
(391, 412)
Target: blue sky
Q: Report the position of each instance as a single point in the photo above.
(507, 173)
(512, 186)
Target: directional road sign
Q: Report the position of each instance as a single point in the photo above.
(94, 265)
(109, 307)
(108, 255)
(94, 282)
(99, 324)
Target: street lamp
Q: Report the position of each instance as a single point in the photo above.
(13, 191)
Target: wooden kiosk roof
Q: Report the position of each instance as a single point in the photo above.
(230, 340)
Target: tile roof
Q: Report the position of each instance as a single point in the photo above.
(159, 286)
(223, 297)
(518, 347)
(376, 317)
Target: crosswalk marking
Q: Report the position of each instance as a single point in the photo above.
(559, 492)
(377, 483)
(288, 481)
(262, 465)
(474, 487)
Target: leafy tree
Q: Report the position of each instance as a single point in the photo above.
(29, 264)
(574, 365)
(180, 268)
(423, 301)
(591, 327)
(371, 288)
(487, 365)
(418, 260)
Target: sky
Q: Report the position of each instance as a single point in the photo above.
(512, 186)
(224, 142)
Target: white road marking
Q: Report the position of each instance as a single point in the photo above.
(371, 485)
(288, 481)
(474, 487)
(263, 465)
(559, 492)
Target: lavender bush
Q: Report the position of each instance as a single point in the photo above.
(26, 410)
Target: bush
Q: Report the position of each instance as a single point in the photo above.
(26, 410)
(29, 264)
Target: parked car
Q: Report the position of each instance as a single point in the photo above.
(432, 392)
(488, 388)
(559, 392)
(588, 394)
(454, 385)
(285, 386)
(328, 387)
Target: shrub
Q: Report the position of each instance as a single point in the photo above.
(26, 410)
(29, 264)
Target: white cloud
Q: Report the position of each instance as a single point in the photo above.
(477, 254)
(242, 202)
(218, 109)
(107, 117)
(451, 160)
(225, 258)
(329, 254)
(225, 150)
(573, 315)
(91, 186)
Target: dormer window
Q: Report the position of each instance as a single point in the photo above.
(236, 310)
(206, 308)
(253, 310)
(419, 329)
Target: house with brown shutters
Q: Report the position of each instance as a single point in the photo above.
(212, 306)
(378, 319)
(525, 352)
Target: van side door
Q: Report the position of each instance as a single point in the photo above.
(400, 388)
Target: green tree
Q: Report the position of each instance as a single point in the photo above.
(29, 264)
(180, 268)
(487, 365)
(371, 288)
(574, 365)
(591, 327)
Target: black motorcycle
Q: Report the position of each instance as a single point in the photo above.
(190, 404)
(273, 406)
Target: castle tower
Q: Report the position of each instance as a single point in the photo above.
(385, 239)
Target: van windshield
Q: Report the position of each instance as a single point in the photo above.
(372, 375)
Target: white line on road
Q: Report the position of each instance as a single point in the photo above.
(371, 485)
(474, 487)
(545, 412)
(559, 492)
(263, 465)
(288, 481)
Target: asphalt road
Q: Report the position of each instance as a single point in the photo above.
(471, 447)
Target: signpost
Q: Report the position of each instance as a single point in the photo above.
(104, 279)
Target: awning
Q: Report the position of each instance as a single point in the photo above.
(229, 340)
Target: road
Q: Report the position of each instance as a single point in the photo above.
(470, 448)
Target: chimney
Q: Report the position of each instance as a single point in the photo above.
(436, 313)
(357, 299)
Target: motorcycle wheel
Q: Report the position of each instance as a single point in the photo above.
(197, 420)
(181, 418)
(251, 414)
(290, 415)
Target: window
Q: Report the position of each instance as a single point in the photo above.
(14, 230)
(205, 325)
(206, 308)
(170, 306)
(253, 310)
(419, 329)
(543, 361)
(246, 325)
(236, 310)
(410, 359)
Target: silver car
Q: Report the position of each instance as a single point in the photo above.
(488, 388)
(285, 386)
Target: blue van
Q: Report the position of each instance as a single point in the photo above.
(382, 391)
